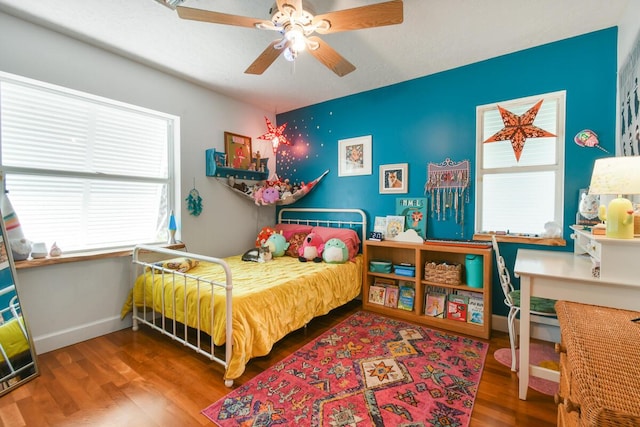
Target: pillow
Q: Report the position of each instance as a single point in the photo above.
(179, 264)
(295, 242)
(289, 230)
(347, 235)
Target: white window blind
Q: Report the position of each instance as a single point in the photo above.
(520, 196)
(82, 171)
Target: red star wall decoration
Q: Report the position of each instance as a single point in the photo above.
(275, 135)
(518, 128)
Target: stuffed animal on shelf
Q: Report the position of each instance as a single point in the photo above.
(277, 244)
(335, 252)
(311, 249)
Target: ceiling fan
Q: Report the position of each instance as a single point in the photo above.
(295, 21)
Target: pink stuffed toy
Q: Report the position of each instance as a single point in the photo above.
(270, 195)
(311, 249)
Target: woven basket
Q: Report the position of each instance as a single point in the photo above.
(602, 351)
(449, 274)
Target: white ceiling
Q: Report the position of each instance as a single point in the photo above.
(436, 35)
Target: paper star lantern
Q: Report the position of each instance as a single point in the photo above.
(275, 135)
(518, 128)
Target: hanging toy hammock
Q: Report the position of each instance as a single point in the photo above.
(194, 201)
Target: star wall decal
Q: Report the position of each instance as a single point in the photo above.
(518, 128)
(275, 135)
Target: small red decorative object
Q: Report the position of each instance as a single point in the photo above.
(275, 135)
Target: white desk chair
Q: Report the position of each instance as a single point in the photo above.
(540, 307)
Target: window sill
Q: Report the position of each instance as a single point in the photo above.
(517, 238)
(82, 256)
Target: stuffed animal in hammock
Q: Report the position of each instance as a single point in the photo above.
(311, 249)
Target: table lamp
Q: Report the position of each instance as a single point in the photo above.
(618, 176)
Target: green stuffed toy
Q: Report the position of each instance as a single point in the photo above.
(277, 244)
(335, 252)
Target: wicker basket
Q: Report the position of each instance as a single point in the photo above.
(449, 274)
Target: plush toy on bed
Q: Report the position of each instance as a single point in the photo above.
(277, 244)
(311, 249)
(335, 252)
(264, 235)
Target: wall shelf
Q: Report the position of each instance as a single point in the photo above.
(215, 170)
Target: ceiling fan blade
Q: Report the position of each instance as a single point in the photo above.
(218, 18)
(375, 15)
(330, 58)
(266, 58)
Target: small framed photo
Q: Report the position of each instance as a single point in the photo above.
(394, 179)
(354, 156)
(238, 150)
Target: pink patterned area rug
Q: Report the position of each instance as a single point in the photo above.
(367, 371)
(539, 354)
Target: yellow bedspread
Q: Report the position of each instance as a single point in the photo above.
(12, 338)
(270, 300)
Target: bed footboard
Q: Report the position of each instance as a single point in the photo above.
(192, 334)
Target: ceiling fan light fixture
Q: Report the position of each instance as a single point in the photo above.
(171, 4)
(295, 36)
(290, 54)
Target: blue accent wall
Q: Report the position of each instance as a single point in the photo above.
(433, 118)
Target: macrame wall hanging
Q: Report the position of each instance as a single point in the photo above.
(194, 201)
(448, 188)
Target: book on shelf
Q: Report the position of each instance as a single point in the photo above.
(475, 311)
(414, 210)
(383, 281)
(407, 294)
(435, 304)
(457, 307)
(377, 294)
(380, 225)
(395, 226)
(391, 296)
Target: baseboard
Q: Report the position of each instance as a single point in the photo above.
(59, 339)
(543, 331)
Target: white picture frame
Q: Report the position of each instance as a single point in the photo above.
(354, 156)
(394, 179)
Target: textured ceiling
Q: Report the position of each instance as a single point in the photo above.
(436, 35)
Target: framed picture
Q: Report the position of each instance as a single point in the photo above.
(354, 156)
(394, 179)
(238, 150)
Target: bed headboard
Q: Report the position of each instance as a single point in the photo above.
(355, 219)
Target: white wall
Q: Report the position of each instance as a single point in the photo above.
(628, 30)
(71, 302)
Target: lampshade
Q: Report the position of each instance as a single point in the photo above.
(618, 176)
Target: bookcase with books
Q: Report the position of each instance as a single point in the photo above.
(442, 301)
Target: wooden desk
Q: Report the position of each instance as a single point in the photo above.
(563, 276)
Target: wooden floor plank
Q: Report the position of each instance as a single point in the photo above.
(139, 378)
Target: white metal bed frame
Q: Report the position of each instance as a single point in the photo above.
(179, 332)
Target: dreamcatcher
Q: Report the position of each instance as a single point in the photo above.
(194, 201)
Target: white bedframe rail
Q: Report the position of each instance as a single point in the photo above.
(148, 257)
(171, 327)
(357, 222)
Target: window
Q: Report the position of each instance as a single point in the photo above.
(83, 171)
(518, 191)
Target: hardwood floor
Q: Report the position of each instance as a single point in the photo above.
(142, 378)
